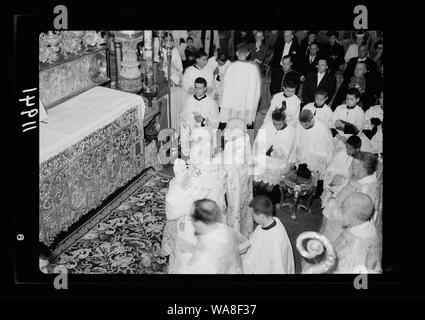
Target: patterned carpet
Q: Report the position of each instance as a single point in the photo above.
(125, 236)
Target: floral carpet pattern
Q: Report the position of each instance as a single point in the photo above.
(123, 237)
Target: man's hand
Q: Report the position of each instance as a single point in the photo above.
(339, 124)
(302, 78)
(191, 91)
(340, 137)
(198, 118)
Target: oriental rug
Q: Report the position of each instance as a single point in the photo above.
(124, 236)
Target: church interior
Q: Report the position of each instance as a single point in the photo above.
(125, 167)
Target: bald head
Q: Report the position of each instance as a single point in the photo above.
(359, 206)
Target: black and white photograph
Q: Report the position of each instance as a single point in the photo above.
(211, 151)
(158, 159)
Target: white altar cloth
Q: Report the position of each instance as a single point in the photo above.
(78, 117)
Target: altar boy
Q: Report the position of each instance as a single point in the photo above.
(200, 111)
(348, 119)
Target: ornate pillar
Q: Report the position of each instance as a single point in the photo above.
(130, 79)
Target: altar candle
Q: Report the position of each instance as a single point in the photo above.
(148, 39)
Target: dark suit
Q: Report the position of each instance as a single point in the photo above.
(306, 67)
(277, 77)
(278, 51)
(368, 97)
(310, 85)
(336, 50)
(351, 65)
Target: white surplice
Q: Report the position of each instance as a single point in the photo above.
(324, 113)
(193, 72)
(269, 169)
(314, 147)
(292, 108)
(215, 253)
(354, 116)
(374, 112)
(270, 251)
(208, 109)
(218, 78)
(241, 92)
(358, 250)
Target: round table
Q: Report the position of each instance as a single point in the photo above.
(296, 186)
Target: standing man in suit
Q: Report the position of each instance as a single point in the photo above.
(333, 51)
(309, 63)
(320, 78)
(285, 45)
(363, 57)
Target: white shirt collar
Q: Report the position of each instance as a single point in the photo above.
(368, 179)
(363, 59)
(364, 230)
(288, 44)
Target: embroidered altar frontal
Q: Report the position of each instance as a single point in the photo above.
(82, 176)
(91, 146)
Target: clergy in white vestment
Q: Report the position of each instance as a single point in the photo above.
(363, 179)
(359, 247)
(313, 144)
(236, 158)
(216, 250)
(270, 251)
(372, 127)
(198, 70)
(219, 64)
(289, 101)
(273, 146)
(338, 171)
(176, 74)
(348, 119)
(241, 89)
(201, 177)
(200, 111)
(320, 109)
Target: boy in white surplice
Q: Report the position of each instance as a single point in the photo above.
(200, 111)
(270, 250)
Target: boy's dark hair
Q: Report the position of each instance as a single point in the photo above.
(354, 141)
(201, 81)
(290, 84)
(321, 91)
(261, 205)
(201, 54)
(354, 92)
(288, 56)
(306, 115)
(221, 55)
(278, 115)
(243, 48)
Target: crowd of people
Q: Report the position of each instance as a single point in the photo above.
(221, 204)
